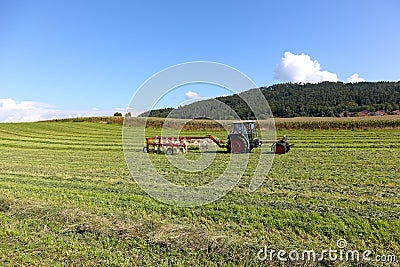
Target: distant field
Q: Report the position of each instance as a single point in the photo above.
(366, 118)
(371, 122)
(67, 198)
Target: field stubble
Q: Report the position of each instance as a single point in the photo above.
(67, 198)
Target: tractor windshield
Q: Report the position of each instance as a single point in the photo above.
(253, 130)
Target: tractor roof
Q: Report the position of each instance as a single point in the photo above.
(245, 121)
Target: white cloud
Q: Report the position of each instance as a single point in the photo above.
(355, 78)
(27, 111)
(301, 68)
(11, 111)
(192, 95)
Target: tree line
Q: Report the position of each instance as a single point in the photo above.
(326, 99)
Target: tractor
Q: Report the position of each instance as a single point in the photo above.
(244, 137)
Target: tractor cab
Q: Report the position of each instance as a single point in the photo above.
(247, 128)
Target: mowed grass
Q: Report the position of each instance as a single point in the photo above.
(67, 198)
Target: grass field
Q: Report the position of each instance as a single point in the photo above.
(67, 198)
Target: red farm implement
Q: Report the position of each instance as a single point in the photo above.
(175, 145)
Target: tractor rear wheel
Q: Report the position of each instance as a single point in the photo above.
(239, 145)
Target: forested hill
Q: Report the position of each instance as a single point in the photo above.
(326, 99)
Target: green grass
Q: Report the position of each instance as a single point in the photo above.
(67, 198)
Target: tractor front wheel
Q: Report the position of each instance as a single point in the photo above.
(279, 148)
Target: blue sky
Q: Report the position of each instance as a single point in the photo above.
(76, 58)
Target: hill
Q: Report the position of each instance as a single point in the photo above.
(326, 99)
